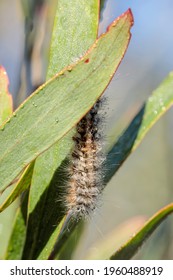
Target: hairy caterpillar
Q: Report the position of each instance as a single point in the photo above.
(85, 171)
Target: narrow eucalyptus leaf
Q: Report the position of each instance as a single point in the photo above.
(129, 249)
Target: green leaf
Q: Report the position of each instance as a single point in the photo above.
(68, 250)
(72, 34)
(66, 231)
(18, 235)
(57, 242)
(68, 43)
(45, 211)
(46, 250)
(6, 102)
(22, 185)
(6, 109)
(157, 104)
(59, 104)
(128, 250)
(15, 247)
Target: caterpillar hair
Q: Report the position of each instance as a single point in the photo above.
(85, 170)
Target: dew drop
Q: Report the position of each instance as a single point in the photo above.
(163, 108)
(57, 120)
(35, 105)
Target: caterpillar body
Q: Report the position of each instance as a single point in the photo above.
(85, 171)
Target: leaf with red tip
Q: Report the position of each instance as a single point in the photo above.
(6, 107)
(51, 111)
